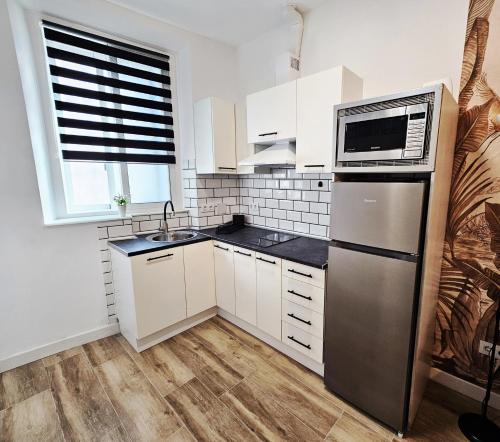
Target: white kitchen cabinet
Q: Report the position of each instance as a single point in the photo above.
(245, 284)
(302, 341)
(224, 277)
(159, 290)
(215, 136)
(316, 96)
(272, 114)
(199, 276)
(269, 294)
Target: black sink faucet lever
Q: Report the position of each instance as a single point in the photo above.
(164, 227)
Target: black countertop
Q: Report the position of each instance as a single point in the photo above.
(303, 250)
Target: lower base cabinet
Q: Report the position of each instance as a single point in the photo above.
(199, 277)
(269, 294)
(224, 277)
(245, 285)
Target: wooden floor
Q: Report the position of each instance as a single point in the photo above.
(214, 382)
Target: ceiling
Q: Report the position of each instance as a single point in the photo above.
(230, 21)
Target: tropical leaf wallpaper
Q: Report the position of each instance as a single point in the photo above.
(469, 290)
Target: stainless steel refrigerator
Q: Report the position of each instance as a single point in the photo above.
(372, 295)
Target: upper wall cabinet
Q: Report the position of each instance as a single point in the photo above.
(272, 114)
(214, 136)
(316, 96)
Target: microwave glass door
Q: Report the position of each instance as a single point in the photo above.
(374, 135)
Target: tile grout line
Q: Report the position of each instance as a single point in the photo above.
(335, 423)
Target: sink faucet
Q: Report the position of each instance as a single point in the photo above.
(164, 227)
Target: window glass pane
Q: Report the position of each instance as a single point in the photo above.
(149, 183)
(87, 186)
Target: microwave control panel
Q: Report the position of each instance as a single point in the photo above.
(415, 134)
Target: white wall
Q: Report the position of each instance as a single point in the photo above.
(392, 44)
(51, 283)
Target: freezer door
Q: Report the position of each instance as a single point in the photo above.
(368, 331)
(374, 214)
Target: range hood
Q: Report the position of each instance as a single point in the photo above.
(279, 154)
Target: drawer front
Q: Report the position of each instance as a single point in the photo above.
(304, 273)
(303, 318)
(223, 246)
(302, 341)
(306, 295)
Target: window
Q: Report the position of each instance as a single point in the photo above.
(114, 119)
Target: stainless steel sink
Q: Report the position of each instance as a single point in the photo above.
(178, 235)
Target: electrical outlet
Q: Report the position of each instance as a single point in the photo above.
(208, 207)
(485, 348)
(254, 208)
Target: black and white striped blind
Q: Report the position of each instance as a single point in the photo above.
(113, 100)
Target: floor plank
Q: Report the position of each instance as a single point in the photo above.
(143, 412)
(103, 350)
(217, 374)
(84, 410)
(264, 350)
(21, 383)
(161, 366)
(349, 429)
(206, 417)
(61, 356)
(182, 435)
(214, 338)
(32, 420)
(266, 417)
(313, 409)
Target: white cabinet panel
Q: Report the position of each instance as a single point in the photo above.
(245, 282)
(199, 276)
(159, 290)
(215, 136)
(302, 341)
(272, 114)
(304, 294)
(269, 294)
(301, 272)
(224, 276)
(316, 96)
(301, 317)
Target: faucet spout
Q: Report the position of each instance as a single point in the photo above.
(165, 224)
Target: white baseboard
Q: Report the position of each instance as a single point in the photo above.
(43, 351)
(466, 388)
(273, 342)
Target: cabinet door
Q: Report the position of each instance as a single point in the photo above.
(199, 277)
(245, 285)
(203, 136)
(159, 290)
(223, 120)
(224, 276)
(316, 96)
(272, 114)
(269, 294)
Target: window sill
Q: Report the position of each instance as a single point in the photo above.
(101, 218)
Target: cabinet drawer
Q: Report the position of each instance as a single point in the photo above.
(223, 246)
(303, 294)
(303, 318)
(304, 273)
(302, 341)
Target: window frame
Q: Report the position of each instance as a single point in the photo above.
(53, 155)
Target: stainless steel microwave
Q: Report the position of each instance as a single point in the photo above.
(392, 133)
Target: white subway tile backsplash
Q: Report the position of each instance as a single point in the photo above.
(246, 182)
(102, 232)
(310, 218)
(173, 223)
(229, 200)
(294, 194)
(199, 222)
(213, 183)
(272, 184)
(221, 192)
(149, 225)
(286, 184)
(317, 230)
(266, 212)
(285, 225)
(293, 216)
(214, 220)
(235, 191)
(324, 220)
(279, 194)
(301, 227)
(279, 173)
(259, 184)
(119, 231)
(272, 222)
(301, 206)
(325, 197)
(230, 182)
(286, 204)
(318, 208)
(259, 220)
(279, 214)
(310, 195)
(302, 184)
(266, 193)
(253, 192)
(273, 204)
